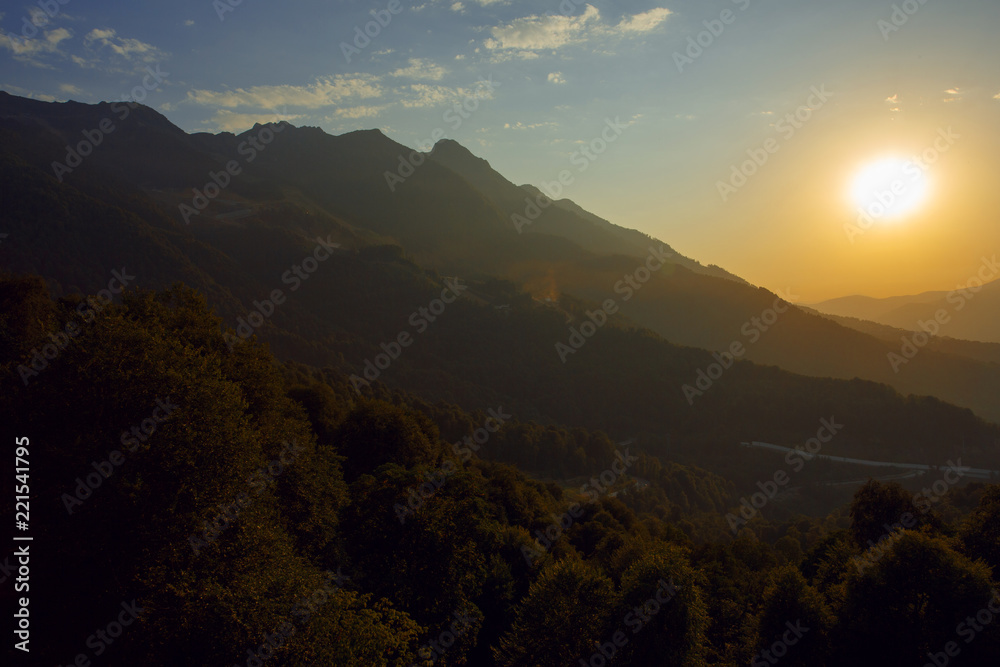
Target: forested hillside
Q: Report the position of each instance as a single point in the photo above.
(246, 511)
(319, 423)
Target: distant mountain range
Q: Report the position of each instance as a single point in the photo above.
(972, 309)
(230, 214)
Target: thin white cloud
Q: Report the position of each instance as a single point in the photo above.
(461, 8)
(534, 33)
(644, 22)
(40, 18)
(424, 95)
(529, 126)
(70, 89)
(125, 47)
(418, 68)
(359, 112)
(542, 33)
(342, 97)
(35, 51)
(556, 77)
(321, 93)
(106, 50)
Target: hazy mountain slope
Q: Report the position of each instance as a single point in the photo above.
(303, 176)
(975, 313)
(988, 352)
(870, 308)
(564, 218)
(714, 314)
(625, 382)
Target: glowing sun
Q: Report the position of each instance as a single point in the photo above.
(890, 188)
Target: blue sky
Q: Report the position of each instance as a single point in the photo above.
(559, 77)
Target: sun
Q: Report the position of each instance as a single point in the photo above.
(890, 188)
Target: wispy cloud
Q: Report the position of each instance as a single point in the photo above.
(418, 68)
(529, 126)
(421, 95)
(533, 33)
(126, 47)
(106, 50)
(36, 51)
(542, 33)
(644, 22)
(321, 93)
(341, 97)
(355, 113)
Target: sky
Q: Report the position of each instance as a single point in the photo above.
(742, 124)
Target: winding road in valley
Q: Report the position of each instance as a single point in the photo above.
(913, 469)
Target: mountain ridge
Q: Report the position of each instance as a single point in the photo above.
(305, 181)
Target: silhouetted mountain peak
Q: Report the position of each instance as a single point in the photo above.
(459, 156)
(373, 132)
(280, 125)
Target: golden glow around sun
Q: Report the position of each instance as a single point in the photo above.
(890, 188)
